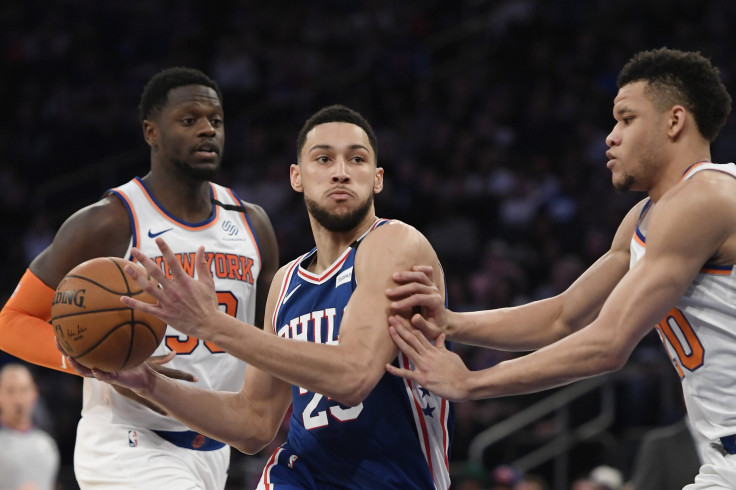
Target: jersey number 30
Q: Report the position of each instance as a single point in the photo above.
(186, 345)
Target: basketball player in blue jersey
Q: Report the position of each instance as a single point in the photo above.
(121, 442)
(671, 265)
(326, 341)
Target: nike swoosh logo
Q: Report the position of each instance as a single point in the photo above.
(154, 235)
(289, 295)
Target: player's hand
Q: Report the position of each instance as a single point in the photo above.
(435, 368)
(157, 364)
(187, 304)
(417, 291)
(120, 379)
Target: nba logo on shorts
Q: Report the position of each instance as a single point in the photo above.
(132, 438)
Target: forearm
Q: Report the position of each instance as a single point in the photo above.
(24, 328)
(234, 422)
(581, 355)
(520, 328)
(327, 369)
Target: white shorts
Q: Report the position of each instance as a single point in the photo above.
(120, 457)
(718, 471)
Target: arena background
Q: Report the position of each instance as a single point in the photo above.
(491, 118)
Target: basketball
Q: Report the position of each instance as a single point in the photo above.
(94, 327)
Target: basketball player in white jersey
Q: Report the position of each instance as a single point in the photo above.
(125, 441)
(671, 265)
(353, 426)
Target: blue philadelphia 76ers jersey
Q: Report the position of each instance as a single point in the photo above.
(398, 437)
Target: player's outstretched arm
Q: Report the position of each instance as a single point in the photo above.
(99, 230)
(701, 220)
(522, 328)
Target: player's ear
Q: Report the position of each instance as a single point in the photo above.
(150, 133)
(295, 175)
(378, 180)
(675, 124)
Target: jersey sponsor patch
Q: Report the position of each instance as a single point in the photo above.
(345, 277)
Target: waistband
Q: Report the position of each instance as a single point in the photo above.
(190, 440)
(729, 444)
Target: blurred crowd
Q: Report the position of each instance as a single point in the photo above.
(491, 119)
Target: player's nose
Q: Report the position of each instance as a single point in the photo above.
(340, 170)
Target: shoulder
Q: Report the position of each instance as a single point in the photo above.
(398, 236)
(394, 246)
(263, 230)
(99, 230)
(627, 228)
(708, 193)
(258, 217)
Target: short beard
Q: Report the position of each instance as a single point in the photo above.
(338, 223)
(197, 173)
(626, 185)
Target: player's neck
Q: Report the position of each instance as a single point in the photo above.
(187, 200)
(331, 245)
(673, 174)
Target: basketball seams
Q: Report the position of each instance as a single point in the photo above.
(122, 273)
(105, 288)
(115, 329)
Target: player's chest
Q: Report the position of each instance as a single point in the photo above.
(313, 313)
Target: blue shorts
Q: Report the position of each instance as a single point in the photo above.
(285, 471)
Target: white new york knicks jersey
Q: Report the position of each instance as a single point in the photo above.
(234, 258)
(699, 334)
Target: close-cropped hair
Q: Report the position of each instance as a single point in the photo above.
(682, 77)
(156, 92)
(336, 113)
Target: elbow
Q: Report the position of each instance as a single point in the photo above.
(254, 443)
(612, 359)
(356, 383)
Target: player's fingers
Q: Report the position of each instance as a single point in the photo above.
(203, 270)
(421, 323)
(175, 268)
(403, 373)
(409, 334)
(408, 289)
(149, 265)
(161, 359)
(427, 270)
(84, 371)
(144, 307)
(416, 300)
(404, 277)
(401, 342)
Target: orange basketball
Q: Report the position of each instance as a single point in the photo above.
(91, 323)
